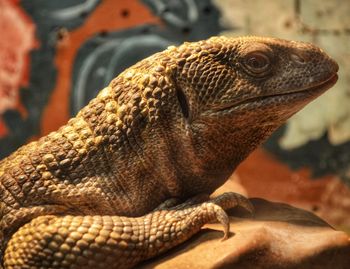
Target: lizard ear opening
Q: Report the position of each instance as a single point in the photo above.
(181, 97)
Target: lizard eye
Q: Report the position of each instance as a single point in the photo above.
(256, 63)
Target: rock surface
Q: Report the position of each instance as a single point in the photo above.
(277, 236)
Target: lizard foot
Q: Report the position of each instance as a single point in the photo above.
(225, 201)
(229, 200)
(215, 207)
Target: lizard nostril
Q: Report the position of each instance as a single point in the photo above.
(297, 58)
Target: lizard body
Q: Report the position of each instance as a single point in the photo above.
(173, 126)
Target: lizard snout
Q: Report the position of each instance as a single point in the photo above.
(306, 53)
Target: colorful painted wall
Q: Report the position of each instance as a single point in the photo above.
(56, 55)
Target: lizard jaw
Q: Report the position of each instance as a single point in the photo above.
(312, 91)
(320, 87)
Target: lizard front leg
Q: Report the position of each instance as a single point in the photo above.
(116, 242)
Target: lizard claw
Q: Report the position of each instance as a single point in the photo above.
(226, 201)
(223, 218)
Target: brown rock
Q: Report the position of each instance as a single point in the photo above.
(278, 236)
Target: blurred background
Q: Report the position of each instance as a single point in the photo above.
(56, 55)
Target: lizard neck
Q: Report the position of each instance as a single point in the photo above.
(207, 158)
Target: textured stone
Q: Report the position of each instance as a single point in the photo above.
(250, 17)
(325, 15)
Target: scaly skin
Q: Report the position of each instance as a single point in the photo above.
(171, 127)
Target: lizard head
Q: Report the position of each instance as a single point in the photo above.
(234, 92)
(225, 76)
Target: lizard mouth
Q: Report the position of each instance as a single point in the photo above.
(307, 93)
(316, 89)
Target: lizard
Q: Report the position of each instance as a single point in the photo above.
(129, 177)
